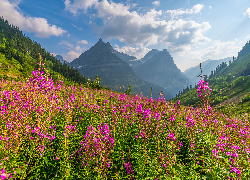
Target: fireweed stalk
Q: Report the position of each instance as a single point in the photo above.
(49, 130)
(204, 92)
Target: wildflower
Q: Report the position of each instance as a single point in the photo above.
(230, 159)
(190, 122)
(234, 169)
(128, 167)
(171, 137)
(215, 151)
(3, 175)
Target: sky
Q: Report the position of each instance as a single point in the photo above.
(191, 31)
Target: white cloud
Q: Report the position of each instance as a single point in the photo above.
(138, 29)
(248, 12)
(68, 35)
(156, 3)
(113, 9)
(210, 7)
(74, 50)
(71, 46)
(71, 55)
(137, 52)
(76, 27)
(248, 37)
(196, 9)
(78, 4)
(82, 42)
(39, 26)
(216, 49)
(149, 28)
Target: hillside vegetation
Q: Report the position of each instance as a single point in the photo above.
(230, 85)
(54, 131)
(19, 54)
(79, 130)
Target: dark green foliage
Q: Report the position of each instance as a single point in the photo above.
(183, 155)
(128, 90)
(15, 45)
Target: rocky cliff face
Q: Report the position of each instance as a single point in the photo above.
(159, 67)
(101, 60)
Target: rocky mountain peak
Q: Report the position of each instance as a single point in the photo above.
(150, 54)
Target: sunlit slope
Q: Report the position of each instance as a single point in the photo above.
(54, 131)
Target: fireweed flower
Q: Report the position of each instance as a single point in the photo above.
(128, 167)
(171, 137)
(234, 169)
(215, 151)
(204, 92)
(190, 122)
(3, 174)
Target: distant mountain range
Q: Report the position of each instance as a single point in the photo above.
(156, 68)
(101, 60)
(206, 66)
(159, 68)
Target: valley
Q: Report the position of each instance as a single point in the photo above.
(114, 119)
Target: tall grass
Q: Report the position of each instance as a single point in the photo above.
(52, 131)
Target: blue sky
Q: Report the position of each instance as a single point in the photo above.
(191, 31)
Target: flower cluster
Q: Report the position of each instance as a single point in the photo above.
(204, 92)
(128, 167)
(97, 141)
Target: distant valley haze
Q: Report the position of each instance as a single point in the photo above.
(191, 31)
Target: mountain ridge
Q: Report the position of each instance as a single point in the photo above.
(159, 67)
(101, 60)
(206, 66)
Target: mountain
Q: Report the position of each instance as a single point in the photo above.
(230, 86)
(245, 50)
(240, 66)
(206, 66)
(159, 68)
(101, 60)
(149, 55)
(60, 58)
(125, 57)
(131, 60)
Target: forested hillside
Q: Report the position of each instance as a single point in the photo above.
(19, 54)
(207, 66)
(230, 86)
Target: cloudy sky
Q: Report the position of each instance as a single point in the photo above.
(191, 31)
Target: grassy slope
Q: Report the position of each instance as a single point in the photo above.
(144, 133)
(230, 94)
(13, 70)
